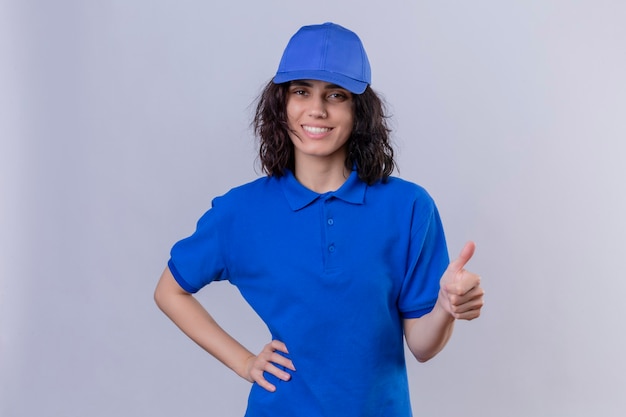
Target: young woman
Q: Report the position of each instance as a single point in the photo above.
(340, 259)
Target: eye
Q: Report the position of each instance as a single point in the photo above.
(298, 91)
(338, 96)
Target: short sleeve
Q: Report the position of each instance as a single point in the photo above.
(198, 259)
(426, 262)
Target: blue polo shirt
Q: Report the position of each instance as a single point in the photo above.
(332, 275)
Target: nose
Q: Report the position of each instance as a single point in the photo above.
(318, 109)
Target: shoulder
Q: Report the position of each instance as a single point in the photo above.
(237, 201)
(402, 199)
(247, 193)
(398, 188)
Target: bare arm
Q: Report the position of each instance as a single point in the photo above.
(193, 319)
(428, 335)
(460, 297)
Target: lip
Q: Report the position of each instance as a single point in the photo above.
(316, 132)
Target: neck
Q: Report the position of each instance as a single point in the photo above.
(320, 176)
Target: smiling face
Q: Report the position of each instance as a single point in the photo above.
(320, 117)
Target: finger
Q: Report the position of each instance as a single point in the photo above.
(282, 361)
(265, 384)
(460, 299)
(258, 375)
(278, 345)
(468, 315)
(270, 368)
(465, 283)
(466, 254)
(469, 305)
(470, 310)
(473, 300)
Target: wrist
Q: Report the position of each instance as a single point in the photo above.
(243, 367)
(442, 312)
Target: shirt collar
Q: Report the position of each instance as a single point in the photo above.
(298, 196)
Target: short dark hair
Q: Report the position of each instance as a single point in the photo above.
(369, 146)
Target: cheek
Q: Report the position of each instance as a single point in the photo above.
(292, 124)
(348, 118)
(349, 125)
(292, 120)
(292, 111)
(293, 137)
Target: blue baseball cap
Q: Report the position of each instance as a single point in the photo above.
(326, 52)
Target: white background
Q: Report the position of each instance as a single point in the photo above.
(121, 120)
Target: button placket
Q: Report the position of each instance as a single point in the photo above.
(329, 225)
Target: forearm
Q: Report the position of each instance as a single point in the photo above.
(193, 319)
(428, 335)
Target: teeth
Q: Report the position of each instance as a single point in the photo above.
(316, 130)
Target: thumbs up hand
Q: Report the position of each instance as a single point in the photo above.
(460, 292)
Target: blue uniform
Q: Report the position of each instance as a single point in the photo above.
(332, 275)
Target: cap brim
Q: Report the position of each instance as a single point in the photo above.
(350, 84)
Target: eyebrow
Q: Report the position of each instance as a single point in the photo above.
(304, 83)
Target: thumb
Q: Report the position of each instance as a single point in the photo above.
(466, 254)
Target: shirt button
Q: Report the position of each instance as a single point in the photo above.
(331, 248)
(331, 222)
